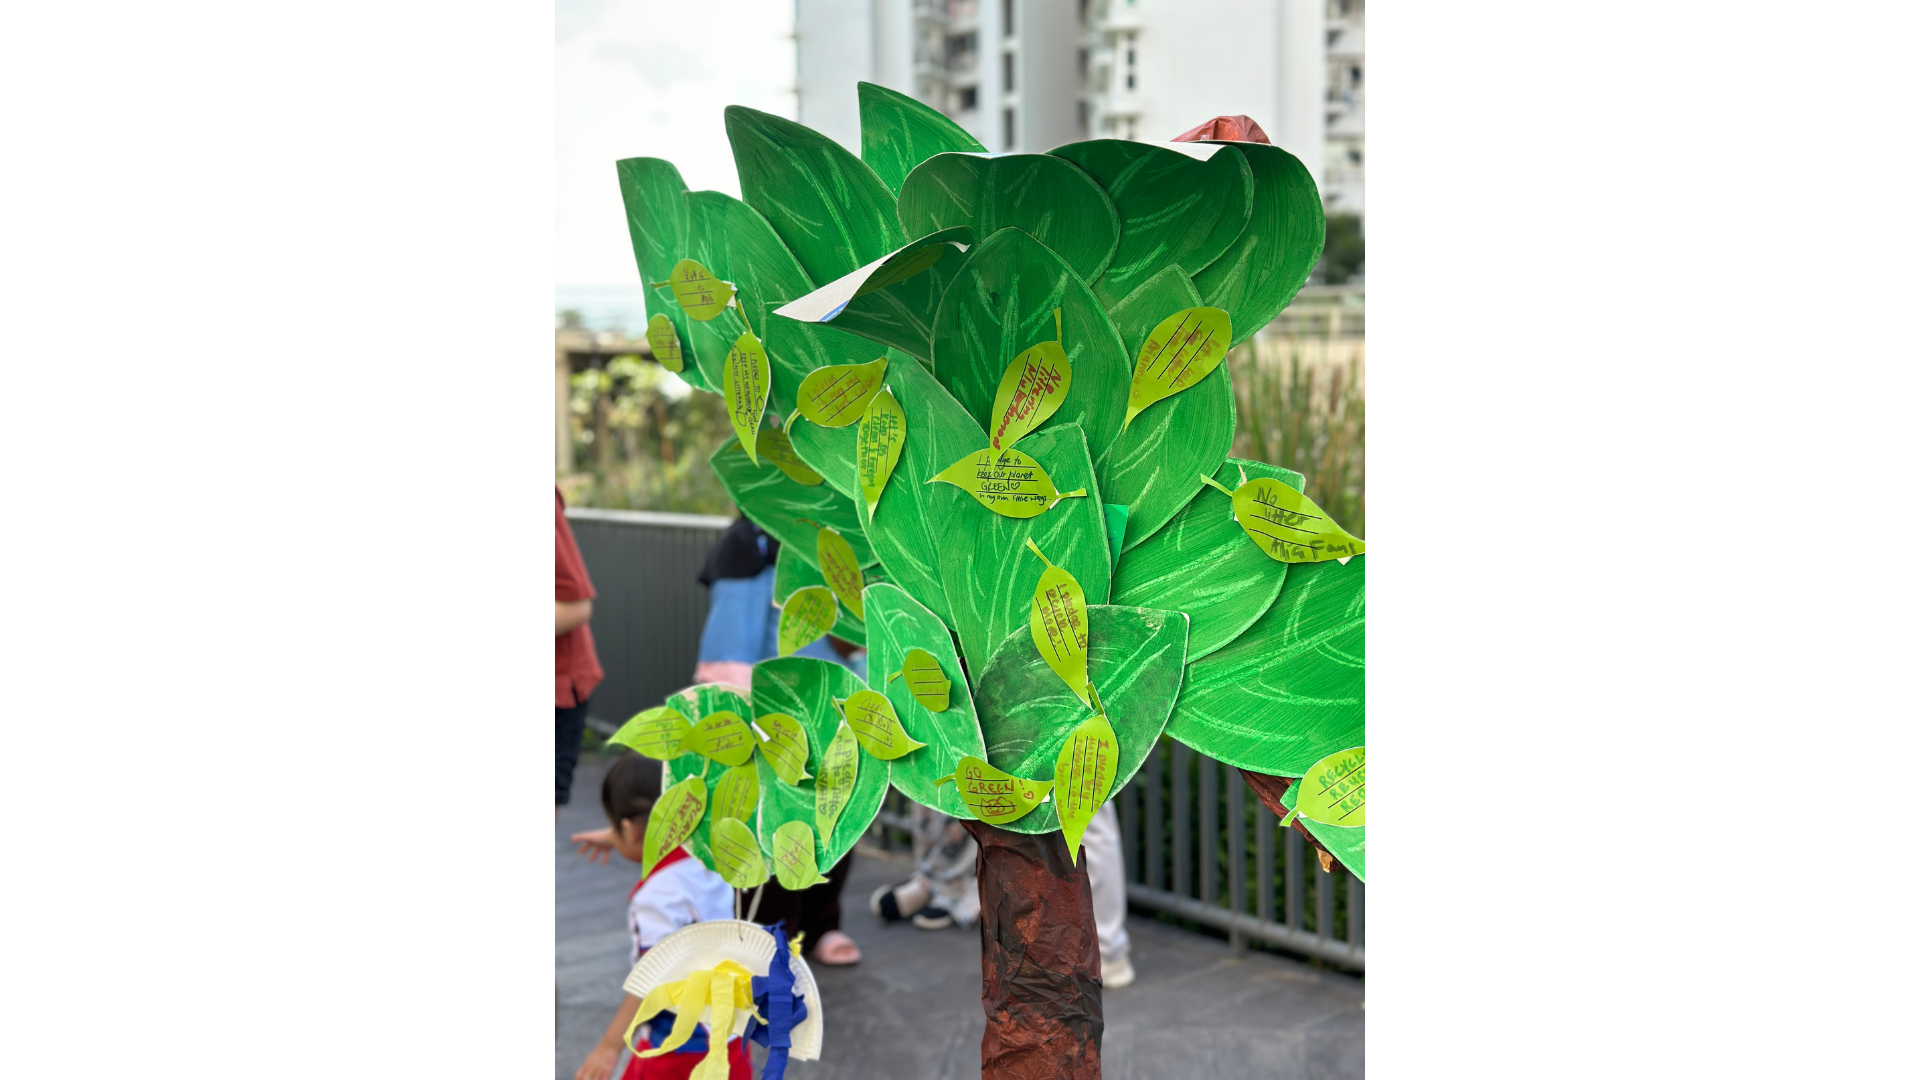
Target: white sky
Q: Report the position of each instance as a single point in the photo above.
(649, 78)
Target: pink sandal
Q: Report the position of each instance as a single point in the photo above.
(835, 950)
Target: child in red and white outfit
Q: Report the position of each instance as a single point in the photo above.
(678, 892)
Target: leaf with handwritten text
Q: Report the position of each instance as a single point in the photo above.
(809, 613)
(772, 445)
(839, 772)
(736, 854)
(1031, 390)
(1334, 791)
(1288, 526)
(793, 861)
(697, 291)
(841, 570)
(1083, 778)
(925, 681)
(994, 796)
(745, 388)
(737, 795)
(875, 724)
(805, 688)
(1059, 625)
(664, 340)
(786, 746)
(674, 817)
(722, 736)
(883, 431)
(1007, 482)
(654, 732)
(1182, 350)
(836, 396)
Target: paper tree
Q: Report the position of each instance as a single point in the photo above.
(980, 401)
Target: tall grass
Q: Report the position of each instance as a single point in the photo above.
(1309, 417)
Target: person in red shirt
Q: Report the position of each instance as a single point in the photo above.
(576, 669)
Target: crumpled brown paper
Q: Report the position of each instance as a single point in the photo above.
(1227, 128)
(1269, 789)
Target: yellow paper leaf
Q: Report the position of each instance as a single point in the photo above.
(877, 726)
(1031, 389)
(993, 796)
(664, 340)
(883, 431)
(1334, 791)
(793, 860)
(701, 295)
(1058, 621)
(1007, 482)
(925, 681)
(655, 732)
(809, 613)
(1083, 778)
(737, 795)
(838, 395)
(785, 747)
(772, 444)
(721, 736)
(736, 854)
(1181, 351)
(841, 568)
(1288, 526)
(839, 768)
(744, 385)
(672, 820)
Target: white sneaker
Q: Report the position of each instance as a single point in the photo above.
(1116, 971)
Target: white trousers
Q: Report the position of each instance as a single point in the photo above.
(1107, 872)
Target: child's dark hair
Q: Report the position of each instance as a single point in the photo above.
(631, 786)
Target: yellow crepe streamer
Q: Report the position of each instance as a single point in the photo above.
(724, 988)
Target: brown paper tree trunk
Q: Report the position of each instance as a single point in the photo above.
(1269, 789)
(1039, 959)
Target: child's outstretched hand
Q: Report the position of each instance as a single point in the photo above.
(597, 846)
(599, 1064)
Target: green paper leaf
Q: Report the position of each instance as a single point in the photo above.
(1046, 197)
(790, 511)
(737, 795)
(672, 821)
(785, 750)
(700, 294)
(1288, 527)
(737, 245)
(805, 689)
(773, 446)
(985, 567)
(722, 736)
(833, 788)
(1116, 517)
(904, 629)
(797, 350)
(654, 732)
(1083, 778)
(840, 569)
(1334, 790)
(898, 132)
(664, 340)
(705, 699)
(827, 205)
(809, 613)
(837, 396)
(736, 854)
(1153, 464)
(891, 300)
(1347, 845)
(883, 433)
(1007, 482)
(1201, 563)
(793, 859)
(1291, 689)
(657, 224)
(1059, 625)
(1031, 390)
(792, 572)
(745, 387)
(1182, 350)
(1259, 274)
(872, 720)
(1135, 659)
(992, 795)
(927, 683)
(1174, 210)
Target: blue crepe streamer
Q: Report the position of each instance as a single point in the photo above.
(773, 995)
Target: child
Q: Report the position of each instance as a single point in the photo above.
(678, 892)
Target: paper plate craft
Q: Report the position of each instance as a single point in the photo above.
(1004, 383)
(706, 946)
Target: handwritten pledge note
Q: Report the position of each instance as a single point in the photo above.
(838, 395)
(721, 736)
(1007, 482)
(744, 385)
(675, 815)
(1181, 351)
(839, 768)
(664, 340)
(841, 569)
(925, 681)
(1083, 778)
(793, 861)
(1058, 622)
(655, 732)
(877, 726)
(1334, 791)
(1031, 389)
(809, 613)
(785, 747)
(994, 796)
(883, 431)
(773, 444)
(736, 854)
(737, 795)
(1288, 526)
(701, 295)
